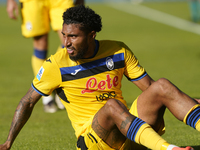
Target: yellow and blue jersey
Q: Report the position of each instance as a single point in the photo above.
(84, 86)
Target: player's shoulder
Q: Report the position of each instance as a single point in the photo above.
(60, 54)
(56, 58)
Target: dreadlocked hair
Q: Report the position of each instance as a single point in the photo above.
(86, 17)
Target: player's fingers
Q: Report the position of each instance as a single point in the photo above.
(13, 11)
(10, 13)
(16, 12)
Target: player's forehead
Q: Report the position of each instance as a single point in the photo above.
(71, 28)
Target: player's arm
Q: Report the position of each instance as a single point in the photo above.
(21, 116)
(12, 9)
(144, 83)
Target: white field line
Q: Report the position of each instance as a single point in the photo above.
(157, 16)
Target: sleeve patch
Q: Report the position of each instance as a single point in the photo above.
(40, 73)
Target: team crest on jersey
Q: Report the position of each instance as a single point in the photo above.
(40, 73)
(109, 63)
(29, 26)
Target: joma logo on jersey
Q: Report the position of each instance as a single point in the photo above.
(92, 84)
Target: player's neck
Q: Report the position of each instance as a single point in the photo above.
(91, 50)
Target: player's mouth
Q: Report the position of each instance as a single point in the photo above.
(70, 50)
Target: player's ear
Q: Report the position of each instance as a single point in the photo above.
(93, 34)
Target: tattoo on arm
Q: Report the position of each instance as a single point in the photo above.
(22, 113)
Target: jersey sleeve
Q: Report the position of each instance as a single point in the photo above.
(48, 77)
(133, 70)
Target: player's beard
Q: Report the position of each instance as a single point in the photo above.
(80, 54)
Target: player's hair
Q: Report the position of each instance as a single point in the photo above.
(84, 16)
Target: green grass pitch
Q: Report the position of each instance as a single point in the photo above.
(163, 50)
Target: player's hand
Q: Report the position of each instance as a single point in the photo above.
(12, 9)
(4, 147)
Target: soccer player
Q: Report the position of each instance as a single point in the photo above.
(87, 77)
(36, 18)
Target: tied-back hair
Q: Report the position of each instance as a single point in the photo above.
(84, 16)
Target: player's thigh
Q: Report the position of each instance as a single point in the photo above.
(56, 12)
(35, 18)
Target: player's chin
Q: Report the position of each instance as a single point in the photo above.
(73, 57)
